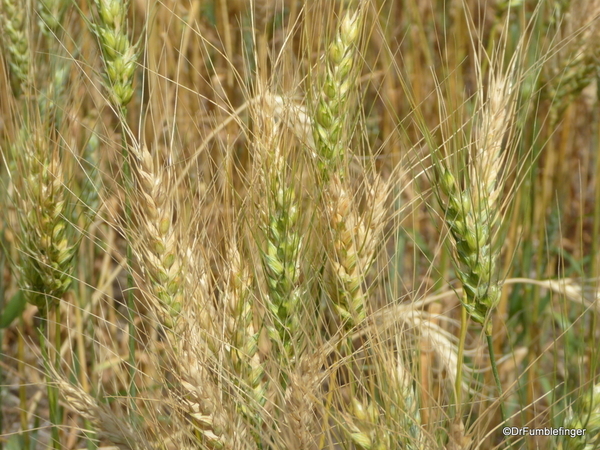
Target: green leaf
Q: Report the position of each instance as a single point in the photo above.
(13, 309)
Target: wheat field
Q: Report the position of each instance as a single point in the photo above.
(286, 224)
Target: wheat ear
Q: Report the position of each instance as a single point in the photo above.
(51, 14)
(157, 244)
(118, 53)
(46, 243)
(569, 78)
(331, 127)
(242, 334)
(173, 275)
(279, 223)
(109, 426)
(16, 44)
(586, 417)
(472, 213)
(355, 240)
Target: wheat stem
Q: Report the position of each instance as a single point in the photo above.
(459, 370)
(490, 344)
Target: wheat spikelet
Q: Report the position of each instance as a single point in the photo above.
(362, 423)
